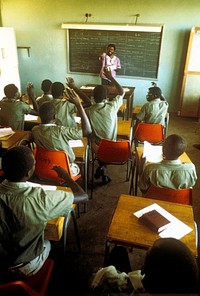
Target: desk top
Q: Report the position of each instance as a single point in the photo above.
(15, 138)
(125, 229)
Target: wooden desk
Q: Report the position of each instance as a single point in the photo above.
(112, 92)
(125, 230)
(57, 228)
(124, 129)
(54, 227)
(138, 155)
(14, 139)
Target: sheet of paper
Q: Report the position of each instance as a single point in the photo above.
(6, 131)
(46, 187)
(153, 153)
(78, 119)
(75, 143)
(126, 89)
(177, 230)
(87, 87)
(29, 117)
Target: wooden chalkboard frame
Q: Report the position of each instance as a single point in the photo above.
(138, 48)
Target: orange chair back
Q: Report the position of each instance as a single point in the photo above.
(46, 159)
(183, 196)
(151, 132)
(114, 151)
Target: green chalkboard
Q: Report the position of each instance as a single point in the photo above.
(139, 52)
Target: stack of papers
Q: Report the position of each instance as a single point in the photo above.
(177, 229)
(152, 153)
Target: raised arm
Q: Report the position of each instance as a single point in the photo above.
(86, 100)
(31, 94)
(85, 123)
(79, 194)
(108, 74)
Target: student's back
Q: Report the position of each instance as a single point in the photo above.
(170, 172)
(65, 111)
(154, 111)
(46, 96)
(12, 109)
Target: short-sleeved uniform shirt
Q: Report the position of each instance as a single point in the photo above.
(103, 118)
(168, 173)
(56, 137)
(65, 112)
(24, 213)
(153, 112)
(44, 98)
(12, 113)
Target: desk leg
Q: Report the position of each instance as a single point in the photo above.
(107, 251)
(136, 179)
(129, 104)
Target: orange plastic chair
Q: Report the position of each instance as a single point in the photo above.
(183, 196)
(35, 285)
(150, 132)
(46, 159)
(114, 153)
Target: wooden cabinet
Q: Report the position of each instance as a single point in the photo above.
(190, 91)
(9, 72)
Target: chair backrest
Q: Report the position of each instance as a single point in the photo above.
(150, 132)
(46, 159)
(183, 196)
(35, 285)
(114, 151)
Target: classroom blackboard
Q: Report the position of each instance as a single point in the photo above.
(139, 51)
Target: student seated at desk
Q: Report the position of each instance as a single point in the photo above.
(12, 109)
(169, 268)
(154, 111)
(56, 137)
(103, 117)
(46, 88)
(170, 172)
(25, 211)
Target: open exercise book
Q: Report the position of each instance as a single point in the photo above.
(177, 229)
(153, 153)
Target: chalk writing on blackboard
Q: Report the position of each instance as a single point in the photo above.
(139, 52)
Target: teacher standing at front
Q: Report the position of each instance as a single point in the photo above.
(109, 61)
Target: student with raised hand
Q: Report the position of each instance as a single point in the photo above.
(65, 109)
(86, 102)
(51, 136)
(25, 211)
(12, 109)
(169, 268)
(170, 172)
(103, 118)
(46, 88)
